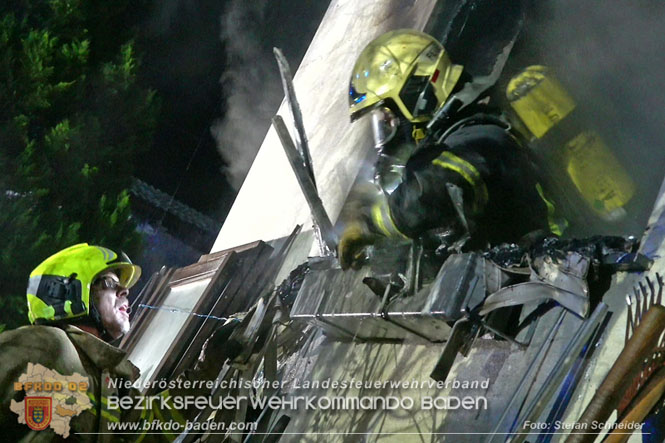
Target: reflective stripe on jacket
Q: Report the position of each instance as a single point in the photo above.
(497, 182)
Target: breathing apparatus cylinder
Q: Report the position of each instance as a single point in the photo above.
(547, 119)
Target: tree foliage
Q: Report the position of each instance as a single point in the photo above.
(72, 120)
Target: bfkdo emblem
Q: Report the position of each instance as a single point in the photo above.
(38, 412)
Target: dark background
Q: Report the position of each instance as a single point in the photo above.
(211, 63)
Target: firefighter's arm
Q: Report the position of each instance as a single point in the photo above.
(358, 231)
(421, 202)
(354, 239)
(426, 198)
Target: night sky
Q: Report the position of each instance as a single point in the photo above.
(206, 58)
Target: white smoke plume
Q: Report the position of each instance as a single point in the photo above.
(252, 85)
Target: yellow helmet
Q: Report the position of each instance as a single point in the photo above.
(404, 68)
(59, 288)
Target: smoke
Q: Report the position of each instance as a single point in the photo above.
(609, 56)
(251, 82)
(253, 86)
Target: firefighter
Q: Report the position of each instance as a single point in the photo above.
(469, 176)
(78, 307)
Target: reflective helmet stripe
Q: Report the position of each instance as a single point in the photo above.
(448, 160)
(108, 254)
(33, 284)
(59, 287)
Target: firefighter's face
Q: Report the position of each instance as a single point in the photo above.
(111, 301)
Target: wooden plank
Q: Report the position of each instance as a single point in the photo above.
(197, 270)
(247, 290)
(240, 248)
(248, 262)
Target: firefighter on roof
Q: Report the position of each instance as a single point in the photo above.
(470, 175)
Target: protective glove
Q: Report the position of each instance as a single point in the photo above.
(352, 242)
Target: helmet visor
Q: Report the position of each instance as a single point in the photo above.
(384, 126)
(127, 272)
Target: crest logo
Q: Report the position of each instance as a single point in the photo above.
(38, 412)
(51, 399)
